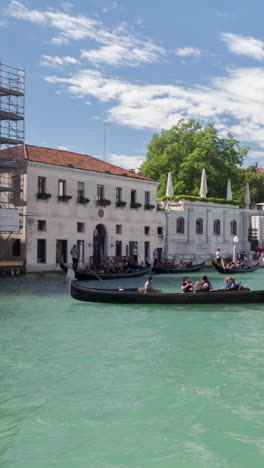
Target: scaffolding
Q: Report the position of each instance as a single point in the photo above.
(12, 168)
(12, 108)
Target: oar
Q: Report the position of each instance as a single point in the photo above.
(223, 265)
(97, 276)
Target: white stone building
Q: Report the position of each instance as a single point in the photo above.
(71, 199)
(194, 230)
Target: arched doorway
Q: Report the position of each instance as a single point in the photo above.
(99, 237)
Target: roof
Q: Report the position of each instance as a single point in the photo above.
(78, 161)
(259, 170)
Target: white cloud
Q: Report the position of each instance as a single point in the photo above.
(67, 6)
(122, 47)
(188, 52)
(244, 45)
(64, 148)
(125, 161)
(47, 60)
(123, 54)
(234, 103)
(253, 154)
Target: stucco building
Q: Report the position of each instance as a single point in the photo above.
(71, 199)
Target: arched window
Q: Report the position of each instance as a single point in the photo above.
(180, 225)
(199, 226)
(217, 227)
(233, 228)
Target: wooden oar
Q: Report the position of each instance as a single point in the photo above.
(97, 276)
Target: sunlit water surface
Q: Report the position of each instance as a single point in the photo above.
(115, 386)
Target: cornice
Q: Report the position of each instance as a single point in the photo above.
(74, 170)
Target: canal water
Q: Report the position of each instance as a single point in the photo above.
(119, 386)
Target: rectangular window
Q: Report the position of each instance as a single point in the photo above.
(42, 225)
(146, 252)
(62, 188)
(41, 184)
(100, 192)
(118, 194)
(147, 198)
(131, 246)
(160, 231)
(80, 227)
(16, 248)
(61, 251)
(147, 230)
(118, 229)
(118, 248)
(41, 251)
(80, 191)
(133, 196)
(14, 195)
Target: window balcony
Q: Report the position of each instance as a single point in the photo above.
(149, 207)
(64, 198)
(103, 202)
(120, 204)
(43, 195)
(83, 200)
(135, 205)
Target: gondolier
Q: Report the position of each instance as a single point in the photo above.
(75, 257)
(135, 253)
(218, 257)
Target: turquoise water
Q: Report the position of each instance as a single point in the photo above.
(104, 386)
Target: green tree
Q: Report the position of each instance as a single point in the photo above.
(185, 150)
(256, 185)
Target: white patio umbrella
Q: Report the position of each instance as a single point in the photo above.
(229, 191)
(169, 189)
(203, 186)
(247, 196)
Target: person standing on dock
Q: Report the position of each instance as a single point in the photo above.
(75, 257)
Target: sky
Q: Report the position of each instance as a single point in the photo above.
(102, 76)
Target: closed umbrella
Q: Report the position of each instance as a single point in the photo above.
(169, 189)
(229, 191)
(203, 186)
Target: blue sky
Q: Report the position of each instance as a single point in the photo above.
(102, 76)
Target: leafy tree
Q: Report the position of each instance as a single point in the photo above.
(185, 150)
(256, 185)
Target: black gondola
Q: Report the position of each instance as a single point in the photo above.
(91, 275)
(134, 296)
(235, 271)
(170, 269)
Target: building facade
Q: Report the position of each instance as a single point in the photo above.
(195, 230)
(76, 199)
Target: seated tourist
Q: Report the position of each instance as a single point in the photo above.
(187, 285)
(204, 285)
(230, 284)
(148, 288)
